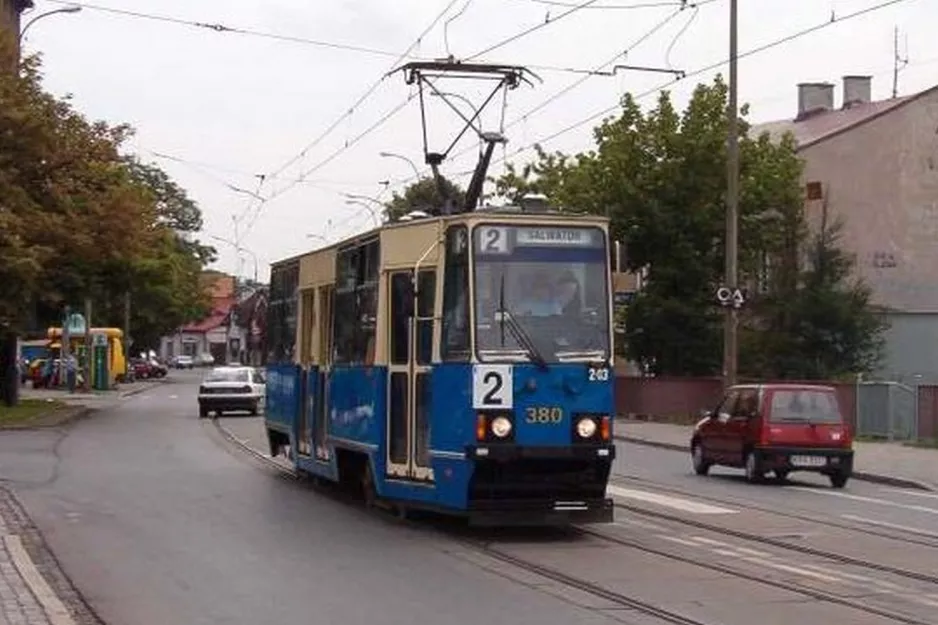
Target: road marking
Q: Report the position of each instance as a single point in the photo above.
(796, 570)
(680, 541)
(685, 505)
(637, 523)
(894, 526)
(913, 493)
(54, 608)
(882, 502)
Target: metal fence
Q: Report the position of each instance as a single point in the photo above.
(887, 409)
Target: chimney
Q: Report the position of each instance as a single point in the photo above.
(814, 97)
(857, 90)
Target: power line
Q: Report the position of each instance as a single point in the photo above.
(589, 73)
(638, 5)
(536, 27)
(387, 116)
(708, 68)
(364, 96)
(221, 28)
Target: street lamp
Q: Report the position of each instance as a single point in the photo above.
(238, 249)
(71, 9)
(371, 211)
(403, 158)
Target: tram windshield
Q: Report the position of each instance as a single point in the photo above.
(541, 293)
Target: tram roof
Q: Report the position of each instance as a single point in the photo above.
(487, 213)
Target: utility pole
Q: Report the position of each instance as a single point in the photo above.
(88, 348)
(730, 343)
(127, 340)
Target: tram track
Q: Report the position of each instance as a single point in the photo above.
(827, 522)
(487, 549)
(596, 590)
(796, 588)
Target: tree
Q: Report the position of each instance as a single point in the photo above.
(661, 176)
(78, 220)
(422, 195)
(821, 325)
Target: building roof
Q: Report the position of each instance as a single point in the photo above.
(217, 316)
(827, 124)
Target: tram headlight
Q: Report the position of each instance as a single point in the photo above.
(586, 427)
(501, 427)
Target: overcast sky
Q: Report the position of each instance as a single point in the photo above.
(227, 106)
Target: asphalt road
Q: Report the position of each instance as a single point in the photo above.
(158, 520)
(861, 504)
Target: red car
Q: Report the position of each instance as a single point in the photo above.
(775, 427)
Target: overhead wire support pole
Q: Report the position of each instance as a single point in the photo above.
(730, 342)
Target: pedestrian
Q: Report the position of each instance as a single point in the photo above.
(71, 371)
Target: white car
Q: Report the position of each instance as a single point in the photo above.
(231, 389)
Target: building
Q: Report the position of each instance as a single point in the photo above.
(208, 335)
(875, 165)
(234, 329)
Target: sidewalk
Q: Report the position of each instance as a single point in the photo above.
(884, 463)
(33, 589)
(71, 406)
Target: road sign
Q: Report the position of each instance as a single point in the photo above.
(727, 297)
(75, 324)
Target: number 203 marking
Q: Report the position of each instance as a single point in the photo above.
(599, 374)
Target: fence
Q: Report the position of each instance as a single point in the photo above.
(886, 409)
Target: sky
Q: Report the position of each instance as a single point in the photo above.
(267, 125)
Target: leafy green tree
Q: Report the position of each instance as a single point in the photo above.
(78, 220)
(422, 195)
(821, 325)
(661, 176)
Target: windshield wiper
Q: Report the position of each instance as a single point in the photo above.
(515, 329)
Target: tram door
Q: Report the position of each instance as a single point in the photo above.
(324, 358)
(410, 352)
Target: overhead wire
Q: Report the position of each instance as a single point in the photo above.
(222, 28)
(587, 74)
(712, 66)
(328, 131)
(387, 116)
(368, 92)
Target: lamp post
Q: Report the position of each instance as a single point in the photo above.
(403, 158)
(71, 9)
(371, 211)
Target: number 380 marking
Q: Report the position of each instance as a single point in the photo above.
(543, 415)
(599, 374)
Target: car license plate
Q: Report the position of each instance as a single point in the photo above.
(808, 461)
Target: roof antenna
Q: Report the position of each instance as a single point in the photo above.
(899, 63)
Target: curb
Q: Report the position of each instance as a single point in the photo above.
(76, 414)
(256, 453)
(863, 476)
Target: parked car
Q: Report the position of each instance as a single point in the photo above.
(157, 368)
(183, 362)
(775, 427)
(231, 389)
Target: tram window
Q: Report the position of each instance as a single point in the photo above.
(400, 343)
(426, 298)
(356, 303)
(455, 345)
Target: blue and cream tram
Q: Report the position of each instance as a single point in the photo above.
(457, 363)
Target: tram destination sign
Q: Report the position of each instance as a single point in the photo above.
(558, 236)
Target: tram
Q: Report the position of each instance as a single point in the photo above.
(460, 362)
(427, 362)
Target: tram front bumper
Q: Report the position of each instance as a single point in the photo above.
(518, 485)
